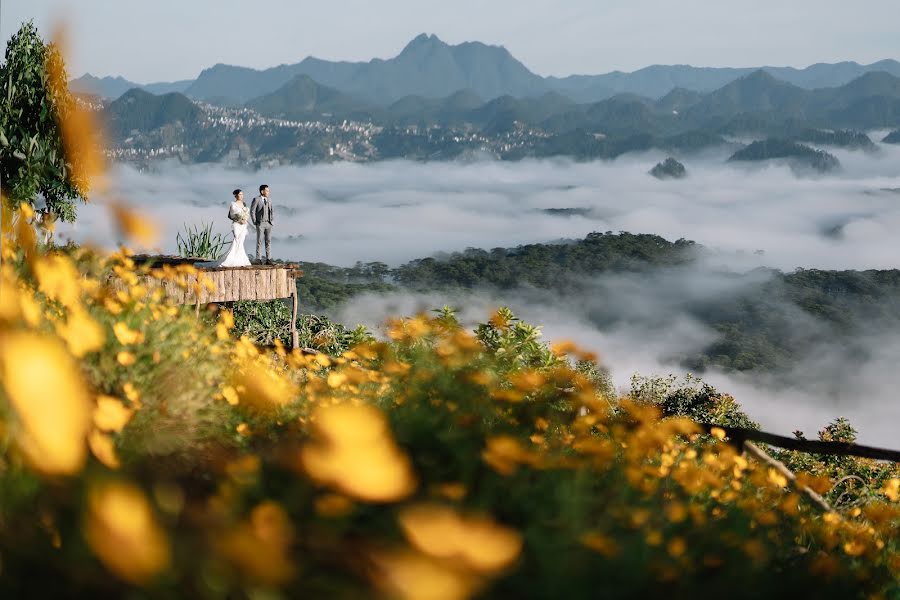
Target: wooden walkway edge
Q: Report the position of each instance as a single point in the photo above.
(213, 285)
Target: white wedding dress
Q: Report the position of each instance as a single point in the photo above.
(236, 256)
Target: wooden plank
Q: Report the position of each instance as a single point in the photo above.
(270, 283)
(239, 289)
(203, 296)
(230, 281)
(280, 285)
(295, 336)
(189, 294)
(220, 285)
(178, 290)
(243, 285)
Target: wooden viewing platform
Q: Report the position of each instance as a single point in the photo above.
(277, 281)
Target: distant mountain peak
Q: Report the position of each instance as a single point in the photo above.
(760, 75)
(423, 40)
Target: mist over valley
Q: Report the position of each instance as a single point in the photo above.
(806, 369)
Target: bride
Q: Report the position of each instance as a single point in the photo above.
(240, 215)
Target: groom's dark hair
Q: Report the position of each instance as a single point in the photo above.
(236, 192)
(262, 187)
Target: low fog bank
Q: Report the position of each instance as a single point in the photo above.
(748, 216)
(397, 211)
(644, 325)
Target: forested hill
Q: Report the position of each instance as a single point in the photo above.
(763, 320)
(554, 266)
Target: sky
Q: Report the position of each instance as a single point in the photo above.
(167, 40)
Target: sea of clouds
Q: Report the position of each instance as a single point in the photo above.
(763, 215)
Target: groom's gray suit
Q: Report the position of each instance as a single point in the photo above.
(262, 214)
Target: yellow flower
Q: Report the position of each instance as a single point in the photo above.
(356, 454)
(676, 547)
(718, 433)
(46, 390)
(132, 393)
(478, 542)
(333, 505)
(104, 449)
(31, 309)
(126, 359)
(602, 544)
(122, 531)
(854, 548)
(230, 395)
(411, 576)
(82, 333)
(336, 380)
(58, 279)
(110, 414)
(112, 306)
(81, 139)
(134, 225)
(266, 389)
(891, 489)
(777, 478)
(10, 309)
(505, 453)
(126, 336)
(226, 318)
(259, 547)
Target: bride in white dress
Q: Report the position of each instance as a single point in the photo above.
(239, 215)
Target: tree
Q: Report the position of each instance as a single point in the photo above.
(34, 100)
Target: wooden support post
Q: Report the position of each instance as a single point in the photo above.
(295, 336)
(760, 455)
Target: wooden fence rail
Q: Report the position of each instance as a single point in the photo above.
(738, 435)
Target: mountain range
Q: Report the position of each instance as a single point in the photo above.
(754, 103)
(308, 121)
(430, 68)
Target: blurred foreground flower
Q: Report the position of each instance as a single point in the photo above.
(134, 226)
(259, 547)
(81, 137)
(123, 532)
(356, 453)
(412, 576)
(46, 390)
(477, 542)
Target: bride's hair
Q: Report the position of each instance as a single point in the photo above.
(236, 192)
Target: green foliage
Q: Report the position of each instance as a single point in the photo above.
(516, 344)
(856, 481)
(324, 287)
(32, 160)
(669, 169)
(560, 266)
(772, 148)
(692, 398)
(200, 242)
(323, 335)
(264, 322)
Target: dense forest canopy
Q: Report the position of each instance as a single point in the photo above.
(768, 323)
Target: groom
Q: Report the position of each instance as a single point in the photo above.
(261, 214)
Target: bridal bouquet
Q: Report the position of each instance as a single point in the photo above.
(241, 216)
